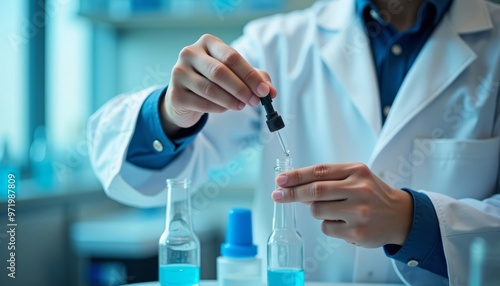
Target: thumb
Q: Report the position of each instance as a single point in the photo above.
(267, 78)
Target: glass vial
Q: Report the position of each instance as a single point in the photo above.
(238, 265)
(40, 160)
(484, 262)
(179, 248)
(285, 248)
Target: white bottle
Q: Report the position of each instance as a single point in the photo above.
(238, 264)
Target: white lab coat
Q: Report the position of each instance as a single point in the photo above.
(441, 135)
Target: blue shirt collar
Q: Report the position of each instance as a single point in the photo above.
(441, 7)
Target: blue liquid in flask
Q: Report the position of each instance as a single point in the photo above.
(285, 277)
(179, 275)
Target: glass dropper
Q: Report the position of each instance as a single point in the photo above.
(283, 145)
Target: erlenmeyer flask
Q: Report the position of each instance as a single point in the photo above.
(179, 248)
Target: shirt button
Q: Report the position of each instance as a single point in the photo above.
(158, 146)
(396, 50)
(412, 263)
(387, 108)
(374, 14)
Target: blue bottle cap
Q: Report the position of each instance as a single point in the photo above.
(239, 235)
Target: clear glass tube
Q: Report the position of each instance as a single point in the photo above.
(484, 262)
(179, 247)
(285, 248)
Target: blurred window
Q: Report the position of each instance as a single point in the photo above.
(68, 84)
(45, 99)
(13, 73)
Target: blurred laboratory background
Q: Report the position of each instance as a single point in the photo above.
(60, 61)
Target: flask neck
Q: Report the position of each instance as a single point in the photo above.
(283, 165)
(284, 216)
(284, 213)
(178, 203)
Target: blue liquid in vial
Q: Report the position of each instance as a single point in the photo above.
(285, 277)
(179, 275)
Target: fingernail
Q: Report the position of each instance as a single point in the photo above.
(241, 105)
(282, 179)
(277, 195)
(254, 101)
(263, 89)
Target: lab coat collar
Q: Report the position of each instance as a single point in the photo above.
(345, 48)
(440, 62)
(442, 59)
(336, 14)
(469, 16)
(466, 16)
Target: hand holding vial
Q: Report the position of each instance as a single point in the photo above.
(353, 203)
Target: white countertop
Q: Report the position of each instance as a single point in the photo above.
(214, 283)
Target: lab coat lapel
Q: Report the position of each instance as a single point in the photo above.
(442, 59)
(345, 49)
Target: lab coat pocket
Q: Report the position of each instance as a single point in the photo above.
(456, 168)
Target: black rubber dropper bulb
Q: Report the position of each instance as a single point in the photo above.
(274, 121)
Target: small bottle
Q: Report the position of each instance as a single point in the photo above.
(179, 247)
(41, 165)
(285, 248)
(238, 265)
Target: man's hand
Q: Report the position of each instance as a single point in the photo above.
(354, 204)
(210, 77)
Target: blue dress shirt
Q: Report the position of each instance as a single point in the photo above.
(393, 54)
(149, 130)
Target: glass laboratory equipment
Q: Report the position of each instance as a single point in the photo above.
(484, 263)
(285, 248)
(40, 161)
(179, 247)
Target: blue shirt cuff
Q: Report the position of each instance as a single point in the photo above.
(423, 246)
(143, 150)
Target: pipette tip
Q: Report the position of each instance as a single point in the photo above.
(283, 146)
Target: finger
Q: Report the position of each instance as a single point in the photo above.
(194, 102)
(234, 61)
(337, 229)
(220, 74)
(210, 91)
(314, 173)
(273, 92)
(353, 214)
(264, 75)
(316, 191)
(327, 211)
